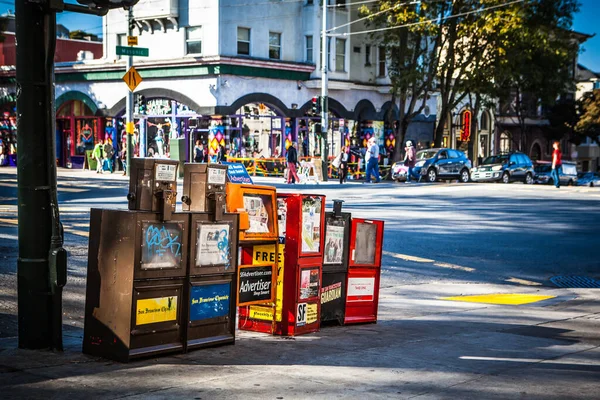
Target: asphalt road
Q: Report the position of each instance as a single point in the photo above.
(493, 233)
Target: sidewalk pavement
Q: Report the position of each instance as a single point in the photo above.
(422, 346)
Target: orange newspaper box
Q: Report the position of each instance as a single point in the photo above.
(258, 242)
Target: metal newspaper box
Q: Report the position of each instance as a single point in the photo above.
(135, 284)
(335, 264)
(258, 244)
(304, 219)
(152, 179)
(364, 271)
(211, 284)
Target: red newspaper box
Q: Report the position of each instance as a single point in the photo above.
(364, 270)
(303, 218)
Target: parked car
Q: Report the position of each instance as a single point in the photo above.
(568, 175)
(399, 171)
(508, 167)
(590, 179)
(434, 164)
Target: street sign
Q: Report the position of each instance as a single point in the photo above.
(132, 78)
(132, 40)
(132, 51)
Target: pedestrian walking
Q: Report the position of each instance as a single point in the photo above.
(98, 154)
(199, 152)
(341, 163)
(556, 164)
(109, 152)
(372, 160)
(292, 160)
(410, 159)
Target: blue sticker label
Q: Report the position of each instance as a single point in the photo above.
(209, 301)
(237, 173)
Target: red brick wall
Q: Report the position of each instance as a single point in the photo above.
(66, 49)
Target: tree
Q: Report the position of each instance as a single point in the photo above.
(82, 35)
(537, 52)
(588, 124)
(412, 56)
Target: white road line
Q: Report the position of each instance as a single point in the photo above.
(407, 257)
(523, 282)
(453, 266)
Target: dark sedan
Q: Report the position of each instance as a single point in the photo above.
(434, 164)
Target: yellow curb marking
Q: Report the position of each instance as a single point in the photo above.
(505, 298)
(523, 282)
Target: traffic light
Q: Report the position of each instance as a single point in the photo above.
(143, 105)
(316, 104)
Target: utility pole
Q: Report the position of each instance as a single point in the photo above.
(129, 127)
(42, 262)
(324, 110)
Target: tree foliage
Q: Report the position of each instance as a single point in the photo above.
(520, 52)
(589, 116)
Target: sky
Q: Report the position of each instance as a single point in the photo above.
(585, 22)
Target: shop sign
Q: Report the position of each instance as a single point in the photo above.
(209, 301)
(361, 289)
(237, 173)
(159, 309)
(255, 284)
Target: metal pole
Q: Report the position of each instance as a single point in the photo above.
(129, 100)
(324, 114)
(41, 266)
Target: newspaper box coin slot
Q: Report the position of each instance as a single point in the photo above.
(153, 186)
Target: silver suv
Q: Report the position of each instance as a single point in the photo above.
(506, 168)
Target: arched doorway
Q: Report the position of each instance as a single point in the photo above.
(536, 152)
(505, 143)
(77, 131)
(484, 136)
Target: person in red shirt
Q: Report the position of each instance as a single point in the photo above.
(556, 164)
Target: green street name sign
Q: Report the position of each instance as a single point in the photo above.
(132, 51)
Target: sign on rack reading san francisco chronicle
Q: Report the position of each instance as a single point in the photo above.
(255, 284)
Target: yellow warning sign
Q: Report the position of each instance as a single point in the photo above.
(159, 309)
(130, 128)
(132, 40)
(503, 298)
(261, 313)
(132, 78)
(311, 314)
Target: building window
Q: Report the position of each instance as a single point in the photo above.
(597, 85)
(309, 49)
(485, 121)
(504, 142)
(381, 61)
(309, 2)
(275, 45)
(367, 56)
(243, 41)
(340, 55)
(121, 41)
(193, 40)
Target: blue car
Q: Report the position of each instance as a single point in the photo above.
(434, 164)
